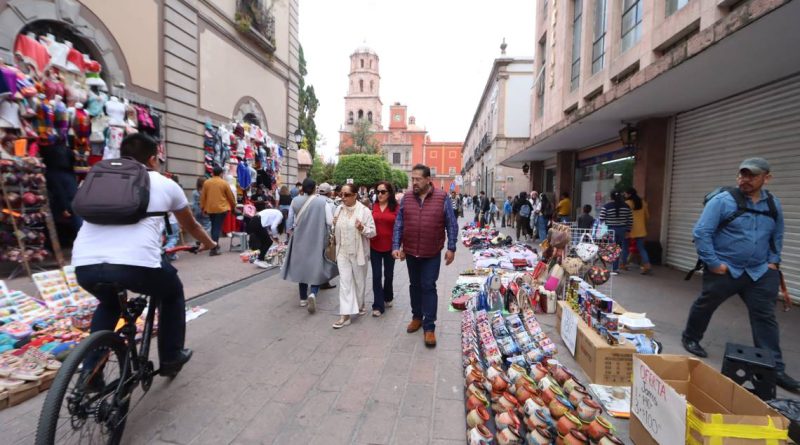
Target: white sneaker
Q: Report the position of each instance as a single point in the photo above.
(262, 264)
(312, 303)
(303, 303)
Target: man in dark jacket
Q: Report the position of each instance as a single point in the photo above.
(424, 216)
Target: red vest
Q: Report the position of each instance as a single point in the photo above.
(423, 225)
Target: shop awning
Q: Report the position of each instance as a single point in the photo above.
(759, 53)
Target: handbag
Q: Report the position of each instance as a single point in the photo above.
(559, 238)
(586, 250)
(598, 275)
(330, 249)
(572, 265)
(610, 252)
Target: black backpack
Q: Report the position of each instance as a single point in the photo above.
(115, 192)
(741, 209)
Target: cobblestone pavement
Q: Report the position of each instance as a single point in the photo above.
(265, 371)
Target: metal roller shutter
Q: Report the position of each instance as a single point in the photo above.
(709, 144)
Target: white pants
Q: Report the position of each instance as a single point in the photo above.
(352, 284)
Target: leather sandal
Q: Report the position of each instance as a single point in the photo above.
(341, 322)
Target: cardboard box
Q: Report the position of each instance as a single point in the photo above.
(717, 410)
(604, 364)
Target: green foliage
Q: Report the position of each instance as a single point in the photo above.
(308, 110)
(399, 179)
(364, 169)
(363, 139)
(322, 171)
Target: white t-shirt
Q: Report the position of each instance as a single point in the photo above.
(132, 244)
(271, 218)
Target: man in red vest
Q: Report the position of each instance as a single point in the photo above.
(419, 231)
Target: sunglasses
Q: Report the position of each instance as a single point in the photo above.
(348, 195)
(383, 192)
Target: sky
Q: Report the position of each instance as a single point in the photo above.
(435, 56)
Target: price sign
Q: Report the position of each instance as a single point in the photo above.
(569, 328)
(659, 408)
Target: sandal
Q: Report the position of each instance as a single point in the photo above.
(362, 311)
(341, 322)
(376, 313)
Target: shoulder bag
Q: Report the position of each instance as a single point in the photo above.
(330, 248)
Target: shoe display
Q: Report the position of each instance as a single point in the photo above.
(787, 382)
(430, 339)
(694, 347)
(312, 303)
(173, 367)
(414, 326)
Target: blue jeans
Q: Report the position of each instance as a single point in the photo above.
(216, 224)
(619, 238)
(173, 236)
(382, 264)
(304, 290)
(626, 244)
(758, 296)
(541, 227)
(422, 275)
(161, 284)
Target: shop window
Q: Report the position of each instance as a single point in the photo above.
(599, 39)
(596, 179)
(577, 16)
(361, 85)
(674, 6)
(631, 23)
(350, 118)
(369, 116)
(396, 158)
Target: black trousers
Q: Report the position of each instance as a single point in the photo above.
(759, 296)
(259, 238)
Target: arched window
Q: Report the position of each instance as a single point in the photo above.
(361, 85)
(362, 63)
(350, 118)
(371, 86)
(369, 116)
(360, 114)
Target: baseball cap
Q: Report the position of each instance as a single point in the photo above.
(324, 188)
(755, 165)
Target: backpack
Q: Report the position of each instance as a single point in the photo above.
(741, 209)
(525, 210)
(115, 192)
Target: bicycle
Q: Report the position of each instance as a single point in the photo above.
(95, 383)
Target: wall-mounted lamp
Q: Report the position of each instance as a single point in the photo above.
(629, 136)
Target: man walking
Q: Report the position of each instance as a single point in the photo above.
(739, 237)
(482, 210)
(217, 200)
(424, 216)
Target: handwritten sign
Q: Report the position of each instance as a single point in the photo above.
(569, 328)
(659, 408)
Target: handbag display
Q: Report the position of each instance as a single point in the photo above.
(572, 265)
(598, 275)
(586, 248)
(558, 238)
(610, 253)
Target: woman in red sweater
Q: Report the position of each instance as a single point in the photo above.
(384, 213)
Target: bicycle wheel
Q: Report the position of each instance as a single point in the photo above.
(80, 407)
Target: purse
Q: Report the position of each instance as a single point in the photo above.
(598, 275)
(559, 238)
(586, 248)
(572, 265)
(330, 249)
(610, 252)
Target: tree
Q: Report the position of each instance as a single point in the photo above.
(362, 139)
(363, 169)
(308, 109)
(399, 179)
(321, 171)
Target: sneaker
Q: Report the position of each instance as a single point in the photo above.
(303, 303)
(376, 313)
(389, 303)
(694, 347)
(312, 304)
(173, 367)
(614, 273)
(262, 264)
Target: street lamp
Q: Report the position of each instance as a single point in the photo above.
(629, 135)
(297, 136)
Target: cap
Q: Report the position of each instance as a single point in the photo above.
(755, 165)
(324, 188)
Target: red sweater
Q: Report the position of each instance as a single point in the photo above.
(384, 226)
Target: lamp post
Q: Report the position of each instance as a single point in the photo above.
(297, 136)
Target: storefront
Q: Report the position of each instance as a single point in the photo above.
(709, 144)
(599, 174)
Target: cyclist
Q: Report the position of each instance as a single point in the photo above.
(131, 257)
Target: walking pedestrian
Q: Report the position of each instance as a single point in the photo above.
(545, 215)
(265, 228)
(458, 208)
(384, 213)
(197, 209)
(740, 248)
(638, 231)
(424, 216)
(536, 212)
(507, 212)
(514, 211)
(482, 209)
(309, 223)
(586, 220)
(217, 200)
(326, 191)
(353, 226)
(295, 190)
(619, 218)
(493, 210)
(523, 211)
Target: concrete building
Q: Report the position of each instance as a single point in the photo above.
(403, 143)
(695, 86)
(500, 127)
(192, 60)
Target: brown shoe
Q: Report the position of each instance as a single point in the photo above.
(430, 339)
(414, 326)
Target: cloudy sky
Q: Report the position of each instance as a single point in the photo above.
(435, 55)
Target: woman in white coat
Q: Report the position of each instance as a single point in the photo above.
(353, 226)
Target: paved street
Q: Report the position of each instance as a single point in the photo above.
(265, 371)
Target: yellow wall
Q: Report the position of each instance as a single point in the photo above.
(222, 85)
(139, 43)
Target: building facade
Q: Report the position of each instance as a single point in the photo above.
(194, 61)
(403, 143)
(668, 96)
(501, 126)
